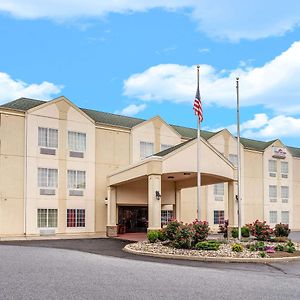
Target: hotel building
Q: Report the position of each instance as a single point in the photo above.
(70, 170)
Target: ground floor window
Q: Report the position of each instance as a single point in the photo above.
(218, 217)
(46, 217)
(285, 217)
(75, 217)
(273, 216)
(166, 216)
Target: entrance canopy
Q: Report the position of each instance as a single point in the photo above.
(179, 164)
(157, 181)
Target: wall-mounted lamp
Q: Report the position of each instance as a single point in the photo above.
(157, 195)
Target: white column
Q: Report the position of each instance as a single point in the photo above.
(178, 204)
(154, 204)
(111, 228)
(231, 205)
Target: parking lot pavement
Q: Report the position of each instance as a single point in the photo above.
(113, 247)
(48, 273)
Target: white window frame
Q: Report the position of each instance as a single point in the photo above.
(166, 216)
(273, 198)
(77, 185)
(271, 169)
(284, 170)
(285, 214)
(74, 143)
(48, 131)
(165, 147)
(48, 179)
(233, 158)
(284, 193)
(144, 151)
(39, 210)
(219, 191)
(77, 220)
(273, 216)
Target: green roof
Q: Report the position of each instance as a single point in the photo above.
(171, 149)
(255, 145)
(24, 104)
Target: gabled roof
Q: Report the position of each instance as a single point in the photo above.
(255, 145)
(24, 104)
(171, 149)
(294, 151)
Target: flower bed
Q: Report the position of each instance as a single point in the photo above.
(224, 251)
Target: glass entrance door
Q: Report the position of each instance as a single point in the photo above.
(132, 219)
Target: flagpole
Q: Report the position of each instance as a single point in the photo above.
(198, 157)
(238, 159)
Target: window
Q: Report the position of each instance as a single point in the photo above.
(218, 217)
(47, 177)
(166, 216)
(46, 218)
(284, 169)
(273, 193)
(165, 147)
(272, 167)
(77, 141)
(273, 216)
(233, 158)
(48, 137)
(76, 179)
(285, 217)
(284, 194)
(146, 149)
(219, 191)
(75, 217)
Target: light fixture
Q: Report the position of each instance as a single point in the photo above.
(170, 177)
(157, 195)
(186, 174)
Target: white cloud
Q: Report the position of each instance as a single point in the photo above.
(274, 85)
(265, 128)
(11, 89)
(131, 109)
(230, 19)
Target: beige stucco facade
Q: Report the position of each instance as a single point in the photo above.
(119, 179)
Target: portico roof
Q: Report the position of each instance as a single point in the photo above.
(179, 164)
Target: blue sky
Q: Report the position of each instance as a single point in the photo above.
(138, 58)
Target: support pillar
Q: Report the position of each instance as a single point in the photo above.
(154, 204)
(111, 228)
(178, 204)
(231, 205)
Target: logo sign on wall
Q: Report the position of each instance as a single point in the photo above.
(279, 152)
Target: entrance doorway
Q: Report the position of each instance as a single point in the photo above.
(132, 219)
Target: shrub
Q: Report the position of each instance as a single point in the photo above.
(237, 247)
(245, 232)
(262, 254)
(208, 245)
(184, 236)
(280, 239)
(153, 236)
(282, 230)
(260, 246)
(223, 228)
(171, 229)
(252, 248)
(162, 235)
(201, 229)
(279, 248)
(290, 247)
(235, 233)
(260, 230)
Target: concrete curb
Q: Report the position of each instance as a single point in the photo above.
(212, 259)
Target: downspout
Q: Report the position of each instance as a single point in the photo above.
(25, 176)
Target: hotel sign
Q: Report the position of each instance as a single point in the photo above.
(279, 153)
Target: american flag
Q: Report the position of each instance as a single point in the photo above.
(198, 105)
